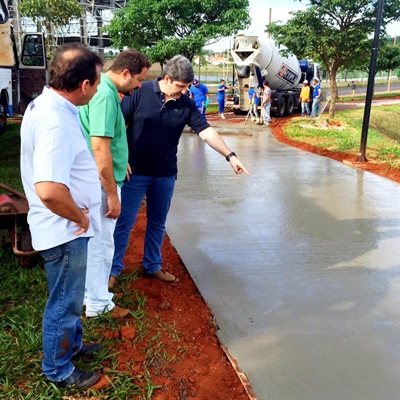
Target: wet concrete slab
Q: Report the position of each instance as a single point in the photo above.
(299, 262)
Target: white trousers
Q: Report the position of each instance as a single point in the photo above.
(99, 262)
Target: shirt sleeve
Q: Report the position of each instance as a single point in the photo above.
(102, 111)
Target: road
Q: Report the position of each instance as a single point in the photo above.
(342, 90)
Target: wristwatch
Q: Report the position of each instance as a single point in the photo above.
(228, 157)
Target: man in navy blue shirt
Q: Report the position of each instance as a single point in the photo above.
(156, 115)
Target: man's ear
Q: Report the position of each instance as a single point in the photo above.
(126, 73)
(84, 85)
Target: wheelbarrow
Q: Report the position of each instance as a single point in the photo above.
(13, 217)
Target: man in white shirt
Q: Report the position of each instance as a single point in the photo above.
(62, 186)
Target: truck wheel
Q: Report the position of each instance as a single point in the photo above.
(290, 105)
(281, 107)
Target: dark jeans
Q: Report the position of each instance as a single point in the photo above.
(158, 191)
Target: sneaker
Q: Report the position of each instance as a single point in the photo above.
(222, 116)
(111, 282)
(164, 276)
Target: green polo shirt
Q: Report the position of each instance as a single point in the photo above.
(103, 117)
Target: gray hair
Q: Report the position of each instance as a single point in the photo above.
(179, 68)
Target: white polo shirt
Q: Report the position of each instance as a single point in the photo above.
(54, 149)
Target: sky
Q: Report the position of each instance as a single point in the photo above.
(280, 12)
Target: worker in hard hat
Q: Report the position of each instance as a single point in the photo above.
(304, 99)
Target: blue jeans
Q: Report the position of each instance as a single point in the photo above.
(65, 267)
(221, 105)
(267, 113)
(305, 108)
(315, 107)
(158, 191)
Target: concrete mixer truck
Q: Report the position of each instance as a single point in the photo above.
(22, 68)
(256, 58)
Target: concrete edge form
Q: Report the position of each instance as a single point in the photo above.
(241, 375)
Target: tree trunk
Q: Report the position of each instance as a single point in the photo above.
(334, 94)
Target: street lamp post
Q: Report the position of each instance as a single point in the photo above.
(370, 88)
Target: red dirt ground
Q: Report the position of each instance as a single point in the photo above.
(201, 369)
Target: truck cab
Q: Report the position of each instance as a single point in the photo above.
(22, 73)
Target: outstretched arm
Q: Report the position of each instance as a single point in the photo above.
(214, 140)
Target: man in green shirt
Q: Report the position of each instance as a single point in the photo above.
(104, 127)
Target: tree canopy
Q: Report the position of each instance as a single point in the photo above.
(333, 32)
(388, 57)
(46, 12)
(164, 28)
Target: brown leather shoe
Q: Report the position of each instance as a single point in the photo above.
(118, 312)
(111, 282)
(164, 276)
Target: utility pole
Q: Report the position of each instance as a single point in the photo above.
(269, 19)
(370, 88)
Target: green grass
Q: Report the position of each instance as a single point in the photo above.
(383, 144)
(9, 160)
(212, 108)
(22, 299)
(383, 94)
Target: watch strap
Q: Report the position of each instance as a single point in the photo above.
(228, 157)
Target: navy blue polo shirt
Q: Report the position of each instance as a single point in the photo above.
(155, 127)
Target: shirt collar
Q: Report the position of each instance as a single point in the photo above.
(60, 100)
(156, 84)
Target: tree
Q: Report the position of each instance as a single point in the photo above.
(54, 12)
(50, 14)
(333, 32)
(388, 57)
(164, 28)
